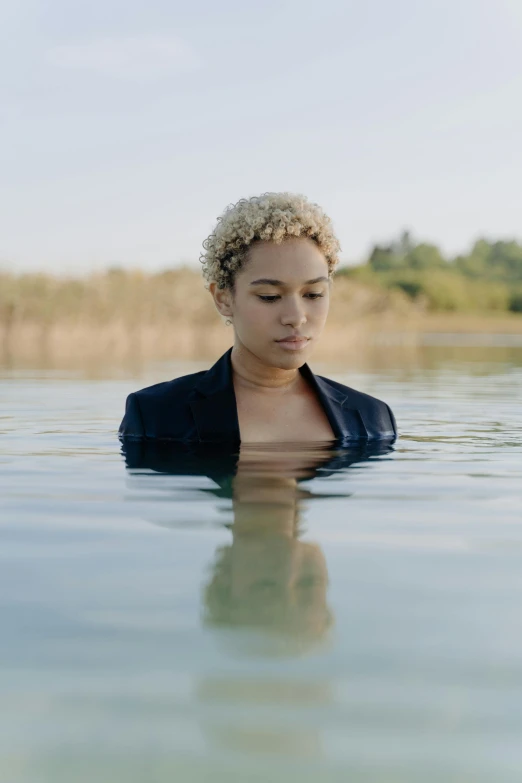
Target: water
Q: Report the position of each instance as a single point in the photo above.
(332, 623)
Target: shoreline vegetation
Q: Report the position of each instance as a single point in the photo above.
(404, 292)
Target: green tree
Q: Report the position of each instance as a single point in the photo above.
(492, 260)
(424, 256)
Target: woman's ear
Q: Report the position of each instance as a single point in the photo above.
(222, 299)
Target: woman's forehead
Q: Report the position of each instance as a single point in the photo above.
(295, 259)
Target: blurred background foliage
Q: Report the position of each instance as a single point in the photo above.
(488, 278)
(404, 277)
(127, 295)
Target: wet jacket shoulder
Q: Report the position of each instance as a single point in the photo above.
(201, 408)
(162, 411)
(377, 416)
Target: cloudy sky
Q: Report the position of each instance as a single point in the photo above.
(126, 127)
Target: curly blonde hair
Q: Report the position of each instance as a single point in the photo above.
(271, 216)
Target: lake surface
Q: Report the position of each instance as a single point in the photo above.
(306, 619)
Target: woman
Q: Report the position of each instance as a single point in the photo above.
(269, 265)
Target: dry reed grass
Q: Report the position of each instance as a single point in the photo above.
(129, 315)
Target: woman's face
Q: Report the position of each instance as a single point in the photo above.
(280, 301)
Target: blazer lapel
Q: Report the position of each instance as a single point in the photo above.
(347, 423)
(214, 409)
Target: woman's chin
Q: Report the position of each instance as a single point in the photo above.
(273, 355)
(290, 359)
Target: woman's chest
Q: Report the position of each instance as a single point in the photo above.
(288, 419)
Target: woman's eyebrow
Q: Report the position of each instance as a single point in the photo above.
(270, 281)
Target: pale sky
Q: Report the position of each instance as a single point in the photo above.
(126, 127)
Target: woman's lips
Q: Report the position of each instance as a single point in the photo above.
(292, 343)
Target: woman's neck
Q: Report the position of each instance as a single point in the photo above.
(251, 373)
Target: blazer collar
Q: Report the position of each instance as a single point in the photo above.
(215, 409)
(347, 423)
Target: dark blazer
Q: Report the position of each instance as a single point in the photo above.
(219, 463)
(201, 408)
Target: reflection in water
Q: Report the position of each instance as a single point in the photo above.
(267, 589)
(264, 715)
(267, 579)
(274, 584)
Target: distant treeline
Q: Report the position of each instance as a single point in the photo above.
(125, 313)
(405, 288)
(489, 278)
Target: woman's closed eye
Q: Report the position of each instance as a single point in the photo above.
(275, 297)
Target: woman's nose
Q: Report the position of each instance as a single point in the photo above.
(293, 314)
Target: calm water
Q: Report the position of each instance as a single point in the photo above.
(302, 619)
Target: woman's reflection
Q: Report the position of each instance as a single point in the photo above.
(268, 578)
(266, 593)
